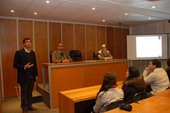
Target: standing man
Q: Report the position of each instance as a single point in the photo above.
(156, 77)
(27, 74)
(104, 54)
(60, 55)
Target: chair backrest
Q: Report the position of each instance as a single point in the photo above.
(76, 55)
(51, 56)
(139, 96)
(95, 55)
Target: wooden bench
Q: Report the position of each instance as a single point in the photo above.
(159, 103)
(78, 100)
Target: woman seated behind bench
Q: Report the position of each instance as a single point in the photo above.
(108, 93)
(133, 84)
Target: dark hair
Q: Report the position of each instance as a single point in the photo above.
(133, 72)
(27, 38)
(168, 61)
(109, 80)
(156, 62)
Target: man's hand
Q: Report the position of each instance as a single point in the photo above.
(28, 65)
(36, 78)
(66, 60)
(108, 58)
(147, 68)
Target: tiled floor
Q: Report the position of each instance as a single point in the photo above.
(12, 105)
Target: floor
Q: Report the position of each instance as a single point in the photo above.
(12, 105)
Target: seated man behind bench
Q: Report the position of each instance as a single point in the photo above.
(60, 55)
(104, 54)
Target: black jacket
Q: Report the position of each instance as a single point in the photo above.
(20, 59)
(131, 87)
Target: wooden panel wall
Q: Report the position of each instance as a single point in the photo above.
(124, 43)
(101, 38)
(90, 41)
(110, 40)
(8, 48)
(25, 29)
(68, 36)
(80, 38)
(41, 45)
(0, 71)
(118, 43)
(46, 35)
(54, 35)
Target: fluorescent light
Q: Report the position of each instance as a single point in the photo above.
(126, 14)
(93, 8)
(153, 7)
(12, 11)
(35, 13)
(47, 1)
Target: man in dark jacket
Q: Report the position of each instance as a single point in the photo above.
(25, 63)
(60, 55)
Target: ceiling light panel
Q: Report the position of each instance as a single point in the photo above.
(66, 9)
(18, 5)
(47, 1)
(12, 11)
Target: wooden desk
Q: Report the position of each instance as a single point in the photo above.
(69, 100)
(155, 104)
(67, 76)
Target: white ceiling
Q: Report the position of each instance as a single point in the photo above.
(113, 11)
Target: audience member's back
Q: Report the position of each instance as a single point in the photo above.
(108, 93)
(133, 84)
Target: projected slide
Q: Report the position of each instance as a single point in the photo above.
(150, 46)
(143, 47)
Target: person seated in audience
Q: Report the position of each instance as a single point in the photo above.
(60, 55)
(156, 77)
(104, 54)
(133, 84)
(108, 93)
(168, 68)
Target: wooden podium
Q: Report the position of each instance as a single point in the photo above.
(66, 76)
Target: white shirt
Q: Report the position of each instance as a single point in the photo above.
(28, 51)
(158, 79)
(106, 97)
